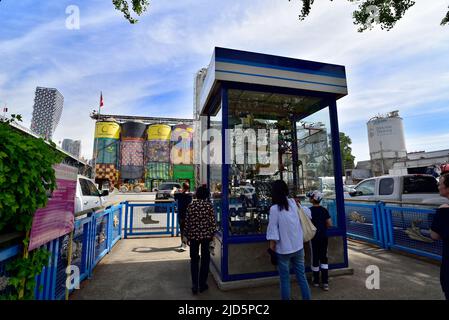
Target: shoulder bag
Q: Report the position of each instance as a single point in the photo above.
(308, 229)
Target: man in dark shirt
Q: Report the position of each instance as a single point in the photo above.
(440, 231)
(184, 198)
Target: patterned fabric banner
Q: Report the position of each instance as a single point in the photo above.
(132, 172)
(106, 171)
(183, 172)
(106, 150)
(156, 170)
(157, 151)
(132, 152)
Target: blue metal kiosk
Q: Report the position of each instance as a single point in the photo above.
(260, 94)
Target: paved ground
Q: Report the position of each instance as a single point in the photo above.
(119, 196)
(151, 268)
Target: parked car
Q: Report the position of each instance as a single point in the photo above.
(164, 191)
(347, 190)
(416, 188)
(87, 195)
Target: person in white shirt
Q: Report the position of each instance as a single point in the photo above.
(286, 239)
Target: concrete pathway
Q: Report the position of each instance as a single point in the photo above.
(152, 268)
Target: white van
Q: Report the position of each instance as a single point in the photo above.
(87, 195)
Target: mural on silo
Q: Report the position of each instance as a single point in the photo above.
(106, 147)
(133, 153)
(182, 144)
(131, 150)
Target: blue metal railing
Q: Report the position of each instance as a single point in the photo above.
(152, 218)
(408, 229)
(393, 227)
(93, 237)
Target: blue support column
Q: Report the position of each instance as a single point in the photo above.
(225, 183)
(120, 220)
(339, 194)
(208, 154)
(110, 227)
(126, 219)
(168, 212)
(92, 232)
(131, 216)
(85, 249)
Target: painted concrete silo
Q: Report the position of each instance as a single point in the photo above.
(132, 150)
(157, 155)
(181, 155)
(386, 141)
(106, 147)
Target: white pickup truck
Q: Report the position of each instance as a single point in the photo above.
(87, 195)
(412, 188)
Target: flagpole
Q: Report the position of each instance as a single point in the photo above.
(101, 100)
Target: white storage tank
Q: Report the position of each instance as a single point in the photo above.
(386, 137)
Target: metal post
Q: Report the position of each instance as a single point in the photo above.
(69, 262)
(126, 219)
(339, 196)
(131, 220)
(225, 183)
(295, 155)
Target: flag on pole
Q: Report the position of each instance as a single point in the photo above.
(101, 100)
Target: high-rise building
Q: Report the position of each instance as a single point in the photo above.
(48, 104)
(72, 146)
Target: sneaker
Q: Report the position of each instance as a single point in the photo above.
(326, 287)
(316, 285)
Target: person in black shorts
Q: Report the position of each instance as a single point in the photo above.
(440, 231)
(322, 221)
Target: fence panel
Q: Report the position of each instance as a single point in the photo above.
(152, 218)
(93, 238)
(363, 222)
(7, 255)
(116, 225)
(408, 230)
(101, 240)
(80, 245)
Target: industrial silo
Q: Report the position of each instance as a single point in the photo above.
(132, 150)
(181, 154)
(386, 141)
(157, 155)
(106, 148)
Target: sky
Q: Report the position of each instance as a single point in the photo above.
(148, 68)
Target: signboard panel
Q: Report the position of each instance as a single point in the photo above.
(57, 218)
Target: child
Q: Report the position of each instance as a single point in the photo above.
(322, 221)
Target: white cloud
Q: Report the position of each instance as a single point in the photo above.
(401, 69)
